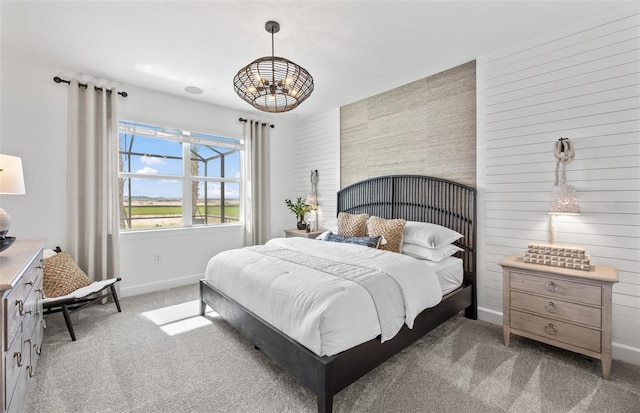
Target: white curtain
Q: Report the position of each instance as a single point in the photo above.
(92, 180)
(256, 138)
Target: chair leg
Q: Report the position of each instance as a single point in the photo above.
(67, 319)
(115, 297)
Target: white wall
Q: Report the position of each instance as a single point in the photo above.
(580, 83)
(316, 146)
(33, 126)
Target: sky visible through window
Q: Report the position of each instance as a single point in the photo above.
(153, 156)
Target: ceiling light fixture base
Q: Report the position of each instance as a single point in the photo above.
(272, 27)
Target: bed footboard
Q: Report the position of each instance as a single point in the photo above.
(313, 371)
(327, 375)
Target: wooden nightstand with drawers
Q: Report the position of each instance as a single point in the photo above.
(566, 308)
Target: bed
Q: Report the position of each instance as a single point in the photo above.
(414, 198)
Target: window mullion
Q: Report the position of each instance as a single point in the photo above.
(187, 210)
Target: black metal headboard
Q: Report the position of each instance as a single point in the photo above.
(419, 198)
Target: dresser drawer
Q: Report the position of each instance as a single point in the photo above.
(548, 307)
(557, 288)
(12, 369)
(13, 308)
(556, 330)
(30, 317)
(32, 274)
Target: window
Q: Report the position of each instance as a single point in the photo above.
(172, 178)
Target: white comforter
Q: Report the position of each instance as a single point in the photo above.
(326, 314)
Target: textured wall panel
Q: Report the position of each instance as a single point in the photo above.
(427, 127)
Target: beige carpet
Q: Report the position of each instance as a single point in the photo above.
(159, 356)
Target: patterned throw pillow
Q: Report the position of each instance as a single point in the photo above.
(62, 275)
(371, 242)
(389, 229)
(352, 225)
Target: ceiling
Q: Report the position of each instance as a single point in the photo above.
(353, 49)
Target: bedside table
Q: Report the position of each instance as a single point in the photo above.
(288, 233)
(563, 307)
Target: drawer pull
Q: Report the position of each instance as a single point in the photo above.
(550, 329)
(38, 349)
(42, 265)
(551, 307)
(44, 323)
(30, 366)
(29, 283)
(18, 355)
(20, 305)
(551, 287)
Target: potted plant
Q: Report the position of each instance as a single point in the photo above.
(299, 208)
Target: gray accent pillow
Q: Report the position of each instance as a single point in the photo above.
(371, 242)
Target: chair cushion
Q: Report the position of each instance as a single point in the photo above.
(62, 275)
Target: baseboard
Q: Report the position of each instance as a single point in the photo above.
(160, 285)
(619, 351)
(625, 353)
(490, 316)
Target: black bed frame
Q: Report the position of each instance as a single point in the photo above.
(414, 198)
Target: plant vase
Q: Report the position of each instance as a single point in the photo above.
(301, 223)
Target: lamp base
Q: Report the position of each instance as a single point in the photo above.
(6, 242)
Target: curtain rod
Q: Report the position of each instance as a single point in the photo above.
(60, 80)
(263, 123)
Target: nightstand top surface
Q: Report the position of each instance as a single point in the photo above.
(301, 233)
(597, 272)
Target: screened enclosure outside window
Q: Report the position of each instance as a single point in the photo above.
(171, 178)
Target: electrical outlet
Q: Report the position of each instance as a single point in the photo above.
(156, 258)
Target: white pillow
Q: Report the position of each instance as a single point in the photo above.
(431, 254)
(428, 235)
(330, 225)
(322, 236)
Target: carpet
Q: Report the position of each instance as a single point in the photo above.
(158, 355)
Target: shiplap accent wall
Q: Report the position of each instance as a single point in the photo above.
(581, 83)
(427, 127)
(317, 146)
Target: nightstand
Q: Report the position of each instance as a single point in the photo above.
(563, 307)
(288, 233)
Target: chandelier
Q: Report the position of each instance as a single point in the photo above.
(273, 84)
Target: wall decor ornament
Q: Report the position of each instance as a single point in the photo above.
(564, 197)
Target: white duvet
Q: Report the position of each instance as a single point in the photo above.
(325, 313)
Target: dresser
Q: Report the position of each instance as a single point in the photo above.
(22, 323)
(563, 307)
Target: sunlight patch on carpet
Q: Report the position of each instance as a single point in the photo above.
(180, 318)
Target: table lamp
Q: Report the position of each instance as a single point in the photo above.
(11, 182)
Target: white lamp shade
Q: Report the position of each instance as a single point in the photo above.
(564, 200)
(11, 177)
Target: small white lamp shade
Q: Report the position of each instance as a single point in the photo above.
(564, 200)
(11, 182)
(11, 177)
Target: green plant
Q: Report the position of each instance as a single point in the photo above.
(299, 208)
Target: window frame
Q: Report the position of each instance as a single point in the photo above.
(187, 139)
